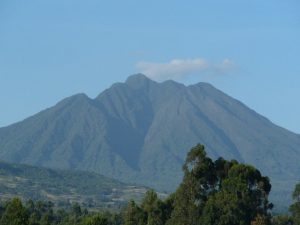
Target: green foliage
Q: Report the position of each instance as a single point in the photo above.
(223, 209)
(219, 193)
(282, 220)
(97, 219)
(134, 215)
(14, 214)
(198, 181)
(157, 211)
(153, 211)
(45, 213)
(295, 207)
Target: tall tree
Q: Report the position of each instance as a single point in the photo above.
(14, 214)
(157, 211)
(242, 199)
(134, 215)
(220, 193)
(295, 207)
(198, 181)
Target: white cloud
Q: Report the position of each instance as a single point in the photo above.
(178, 69)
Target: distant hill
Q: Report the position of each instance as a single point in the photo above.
(140, 131)
(64, 187)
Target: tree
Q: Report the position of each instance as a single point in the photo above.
(134, 215)
(295, 207)
(97, 219)
(222, 209)
(14, 214)
(282, 220)
(220, 192)
(241, 198)
(76, 210)
(198, 182)
(157, 212)
(150, 205)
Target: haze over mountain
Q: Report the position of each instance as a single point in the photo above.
(140, 131)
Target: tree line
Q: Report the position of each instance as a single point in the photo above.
(219, 192)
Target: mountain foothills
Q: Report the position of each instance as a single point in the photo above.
(63, 188)
(140, 131)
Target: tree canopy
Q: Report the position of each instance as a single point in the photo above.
(219, 192)
(212, 192)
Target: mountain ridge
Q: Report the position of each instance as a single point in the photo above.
(140, 131)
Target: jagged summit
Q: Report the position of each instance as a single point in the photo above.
(138, 81)
(137, 77)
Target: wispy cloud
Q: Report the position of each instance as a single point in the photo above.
(178, 69)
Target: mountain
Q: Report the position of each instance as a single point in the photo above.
(64, 187)
(140, 131)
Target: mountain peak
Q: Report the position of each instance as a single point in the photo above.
(137, 76)
(139, 80)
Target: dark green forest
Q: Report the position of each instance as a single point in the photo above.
(219, 192)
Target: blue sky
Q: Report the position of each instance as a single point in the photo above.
(53, 49)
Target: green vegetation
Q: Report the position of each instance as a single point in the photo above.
(295, 207)
(219, 192)
(294, 217)
(64, 187)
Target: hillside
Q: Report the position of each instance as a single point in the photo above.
(140, 131)
(64, 187)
